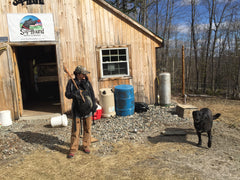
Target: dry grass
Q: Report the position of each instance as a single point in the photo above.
(129, 161)
(229, 109)
(169, 160)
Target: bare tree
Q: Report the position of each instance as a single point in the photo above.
(219, 15)
(193, 39)
(211, 46)
(223, 36)
(210, 6)
(126, 6)
(236, 91)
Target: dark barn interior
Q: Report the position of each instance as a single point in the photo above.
(38, 78)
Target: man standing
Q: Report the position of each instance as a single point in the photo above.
(72, 92)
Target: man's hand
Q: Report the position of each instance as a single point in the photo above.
(76, 94)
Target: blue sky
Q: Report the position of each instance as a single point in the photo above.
(202, 17)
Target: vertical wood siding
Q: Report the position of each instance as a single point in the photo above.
(83, 25)
(6, 102)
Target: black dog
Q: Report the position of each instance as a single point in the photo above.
(203, 121)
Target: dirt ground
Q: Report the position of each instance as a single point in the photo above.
(161, 157)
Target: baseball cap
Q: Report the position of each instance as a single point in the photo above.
(81, 70)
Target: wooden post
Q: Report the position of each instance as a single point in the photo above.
(183, 72)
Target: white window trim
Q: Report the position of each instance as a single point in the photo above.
(101, 63)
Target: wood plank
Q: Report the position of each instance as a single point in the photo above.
(91, 33)
(102, 22)
(18, 82)
(174, 132)
(12, 84)
(93, 64)
(97, 21)
(116, 24)
(5, 92)
(106, 27)
(130, 21)
(111, 28)
(154, 74)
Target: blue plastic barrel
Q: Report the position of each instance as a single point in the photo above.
(124, 100)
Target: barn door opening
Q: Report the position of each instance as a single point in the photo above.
(38, 73)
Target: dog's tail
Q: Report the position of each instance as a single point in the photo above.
(216, 116)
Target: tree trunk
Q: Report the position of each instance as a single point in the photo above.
(211, 12)
(194, 42)
(156, 15)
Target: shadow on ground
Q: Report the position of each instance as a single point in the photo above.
(51, 142)
(174, 135)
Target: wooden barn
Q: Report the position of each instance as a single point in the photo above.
(39, 37)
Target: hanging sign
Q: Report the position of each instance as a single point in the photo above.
(30, 27)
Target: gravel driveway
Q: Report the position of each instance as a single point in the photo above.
(144, 132)
(28, 135)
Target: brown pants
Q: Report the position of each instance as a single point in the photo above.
(87, 123)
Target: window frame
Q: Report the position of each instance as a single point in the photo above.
(101, 63)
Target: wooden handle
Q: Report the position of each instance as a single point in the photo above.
(66, 71)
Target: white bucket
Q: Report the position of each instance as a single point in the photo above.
(59, 121)
(64, 120)
(5, 118)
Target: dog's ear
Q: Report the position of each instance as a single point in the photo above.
(194, 113)
(216, 116)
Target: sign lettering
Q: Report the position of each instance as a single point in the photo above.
(29, 2)
(31, 27)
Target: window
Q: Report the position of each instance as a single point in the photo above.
(114, 62)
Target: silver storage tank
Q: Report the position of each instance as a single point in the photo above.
(165, 89)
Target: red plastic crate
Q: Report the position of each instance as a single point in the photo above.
(98, 113)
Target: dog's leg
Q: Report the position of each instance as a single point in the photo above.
(199, 139)
(209, 139)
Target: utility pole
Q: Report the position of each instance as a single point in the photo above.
(183, 72)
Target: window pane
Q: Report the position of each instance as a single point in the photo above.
(122, 51)
(105, 69)
(122, 58)
(105, 73)
(116, 72)
(111, 67)
(114, 58)
(106, 59)
(105, 52)
(114, 51)
(115, 69)
(123, 68)
(115, 62)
